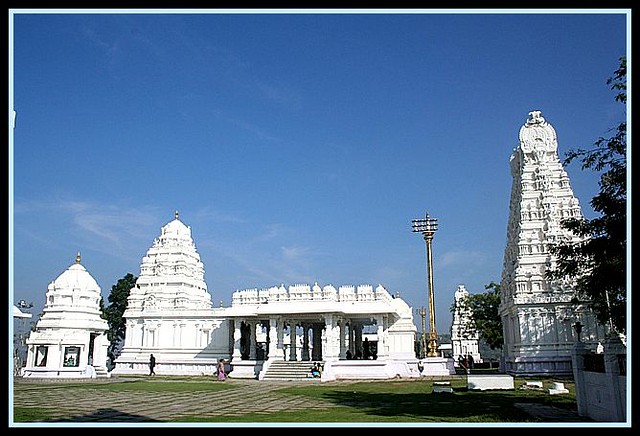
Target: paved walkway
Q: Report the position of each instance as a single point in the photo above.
(99, 405)
(85, 405)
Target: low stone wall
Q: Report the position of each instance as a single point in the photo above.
(369, 370)
(484, 382)
(166, 368)
(601, 395)
(75, 372)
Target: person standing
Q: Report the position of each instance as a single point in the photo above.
(152, 365)
(222, 375)
(367, 351)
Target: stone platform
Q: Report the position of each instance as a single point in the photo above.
(484, 382)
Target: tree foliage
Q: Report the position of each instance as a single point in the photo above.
(597, 263)
(484, 316)
(113, 313)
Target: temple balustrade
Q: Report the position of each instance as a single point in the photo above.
(301, 293)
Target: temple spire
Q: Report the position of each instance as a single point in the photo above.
(78, 257)
(176, 215)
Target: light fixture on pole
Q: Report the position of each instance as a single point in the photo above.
(428, 226)
(24, 305)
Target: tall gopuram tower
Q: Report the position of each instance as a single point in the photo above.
(538, 315)
(169, 311)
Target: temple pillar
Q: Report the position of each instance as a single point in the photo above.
(352, 338)
(316, 350)
(383, 346)
(176, 335)
(293, 347)
(279, 348)
(253, 340)
(358, 340)
(305, 341)
(237, 334)
(343, 349)
(273, 338)
(180, 334)
(330, 345)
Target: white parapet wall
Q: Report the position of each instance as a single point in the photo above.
(369, 370)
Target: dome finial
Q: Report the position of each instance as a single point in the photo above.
(535, 117)
(78, 257)
(176, 215)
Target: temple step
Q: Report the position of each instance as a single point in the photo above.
(289, 370)
(102, 372)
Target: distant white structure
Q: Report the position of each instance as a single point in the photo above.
(463, 339)
(445, 350)
(17, 313)
(537, 314)
(69, 340)
(19, 351)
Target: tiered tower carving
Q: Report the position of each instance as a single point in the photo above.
(169, 311)
(538, 314)
(171, 274)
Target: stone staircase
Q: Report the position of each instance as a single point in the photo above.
(289, 370)
(101, 372)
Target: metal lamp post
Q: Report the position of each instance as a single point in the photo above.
(423, 336)
(428, 226)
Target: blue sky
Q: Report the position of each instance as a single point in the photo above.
(297, 146)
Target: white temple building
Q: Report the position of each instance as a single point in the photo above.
(169, 312)
(355, 331)
(538, 315)
(69, 340)
(464, 340)
(330, 325)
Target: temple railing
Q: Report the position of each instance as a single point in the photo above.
(304, 293)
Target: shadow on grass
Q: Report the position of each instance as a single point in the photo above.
(458, 406)
(106, 415)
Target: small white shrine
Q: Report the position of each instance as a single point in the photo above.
(69, 340)
(538, 315)
(464, 341)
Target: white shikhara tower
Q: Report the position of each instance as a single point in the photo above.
(537, 314)
(171, 274)
(169, 311)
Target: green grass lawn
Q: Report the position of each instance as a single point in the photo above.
(407, 401)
